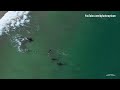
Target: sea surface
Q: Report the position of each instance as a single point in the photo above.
(88, 48)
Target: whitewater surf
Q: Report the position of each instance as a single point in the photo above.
(12, 20)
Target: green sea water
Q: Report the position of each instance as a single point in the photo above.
(89, 47)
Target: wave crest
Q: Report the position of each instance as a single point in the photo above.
(13, 19)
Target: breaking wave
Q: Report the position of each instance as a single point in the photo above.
(10, 22)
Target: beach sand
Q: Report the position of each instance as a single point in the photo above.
(2, 13)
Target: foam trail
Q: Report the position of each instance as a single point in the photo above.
(13, 19)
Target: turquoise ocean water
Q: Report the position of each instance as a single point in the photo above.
(89, 47)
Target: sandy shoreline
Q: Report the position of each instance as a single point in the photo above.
(2, 13)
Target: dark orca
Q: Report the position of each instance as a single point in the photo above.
(30, 39)
(60, 63)
(54, 59)
(49, 51)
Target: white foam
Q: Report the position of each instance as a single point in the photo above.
(18, 41)
(13, 19)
